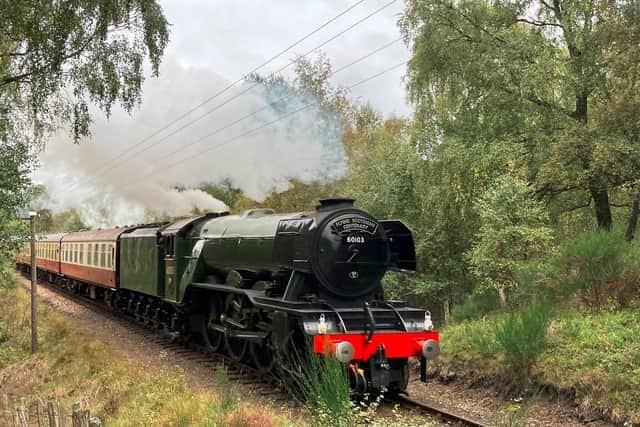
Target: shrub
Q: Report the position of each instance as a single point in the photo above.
(521, 336)
(600, 267)
(480, 303)
(513, 230)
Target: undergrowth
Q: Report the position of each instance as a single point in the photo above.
(595, 356)
(72, 367)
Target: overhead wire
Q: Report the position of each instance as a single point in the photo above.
(296, 111)
(218, 106)
(277, 101)
(106, 166)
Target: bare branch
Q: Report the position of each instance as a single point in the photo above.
(539, 23)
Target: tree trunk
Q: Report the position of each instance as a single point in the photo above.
(633, 219)
(503, 297)
(603, 209)
(447, 310)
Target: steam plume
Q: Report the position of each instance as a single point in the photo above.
(306, 146)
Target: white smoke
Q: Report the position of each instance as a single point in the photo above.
(305, 145)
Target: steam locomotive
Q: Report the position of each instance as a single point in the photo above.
(259, 286)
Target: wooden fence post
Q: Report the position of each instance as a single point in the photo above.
(62, 418)
(51, 411)
(6, 411)
(21, 418)
(40, 413)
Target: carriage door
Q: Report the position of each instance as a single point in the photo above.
(171, 291)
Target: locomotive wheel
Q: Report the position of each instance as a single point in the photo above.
(395, 388)
(237, 348)
(261, 357)
(212, 338)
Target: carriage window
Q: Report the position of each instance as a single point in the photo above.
(103, 252)
(90, 254)
(110, 256)
(75, 252)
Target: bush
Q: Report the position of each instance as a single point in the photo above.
(480, 303)
(600, 267)
(522, 336)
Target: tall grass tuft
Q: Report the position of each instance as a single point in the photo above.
(322, 385)
(522, 336)
(226, 393)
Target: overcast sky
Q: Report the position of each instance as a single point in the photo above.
(231, 37)
(118, 170)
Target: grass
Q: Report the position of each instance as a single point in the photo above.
(594, 356)
(322, 385)
(72, 367)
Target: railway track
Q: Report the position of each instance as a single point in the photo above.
(265, 386)
(449, 415)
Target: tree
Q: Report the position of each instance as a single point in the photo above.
(533, 75)
(14, 166)
(57, 58)
(514, 229)
(224, 190)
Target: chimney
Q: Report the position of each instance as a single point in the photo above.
(331, 204)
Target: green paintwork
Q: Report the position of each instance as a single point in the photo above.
(242, 241)
(142, 267)
(179, 266)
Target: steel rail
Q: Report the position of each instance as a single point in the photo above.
(436, 409)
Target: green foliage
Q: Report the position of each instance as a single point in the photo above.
(228, 394)
(599, 266)
(93, 48)
(513, 230)
(522, 336)
(15, 162)
(537, 80)
(479, 303)
(321, 384)
(597, 355)
(224, 191)
(55, 59)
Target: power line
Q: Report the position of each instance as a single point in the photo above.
(269, 105)
(304, 107)
(218, 106)
(226, 88)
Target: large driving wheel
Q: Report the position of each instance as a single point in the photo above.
(212, 337)
(237, 317)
